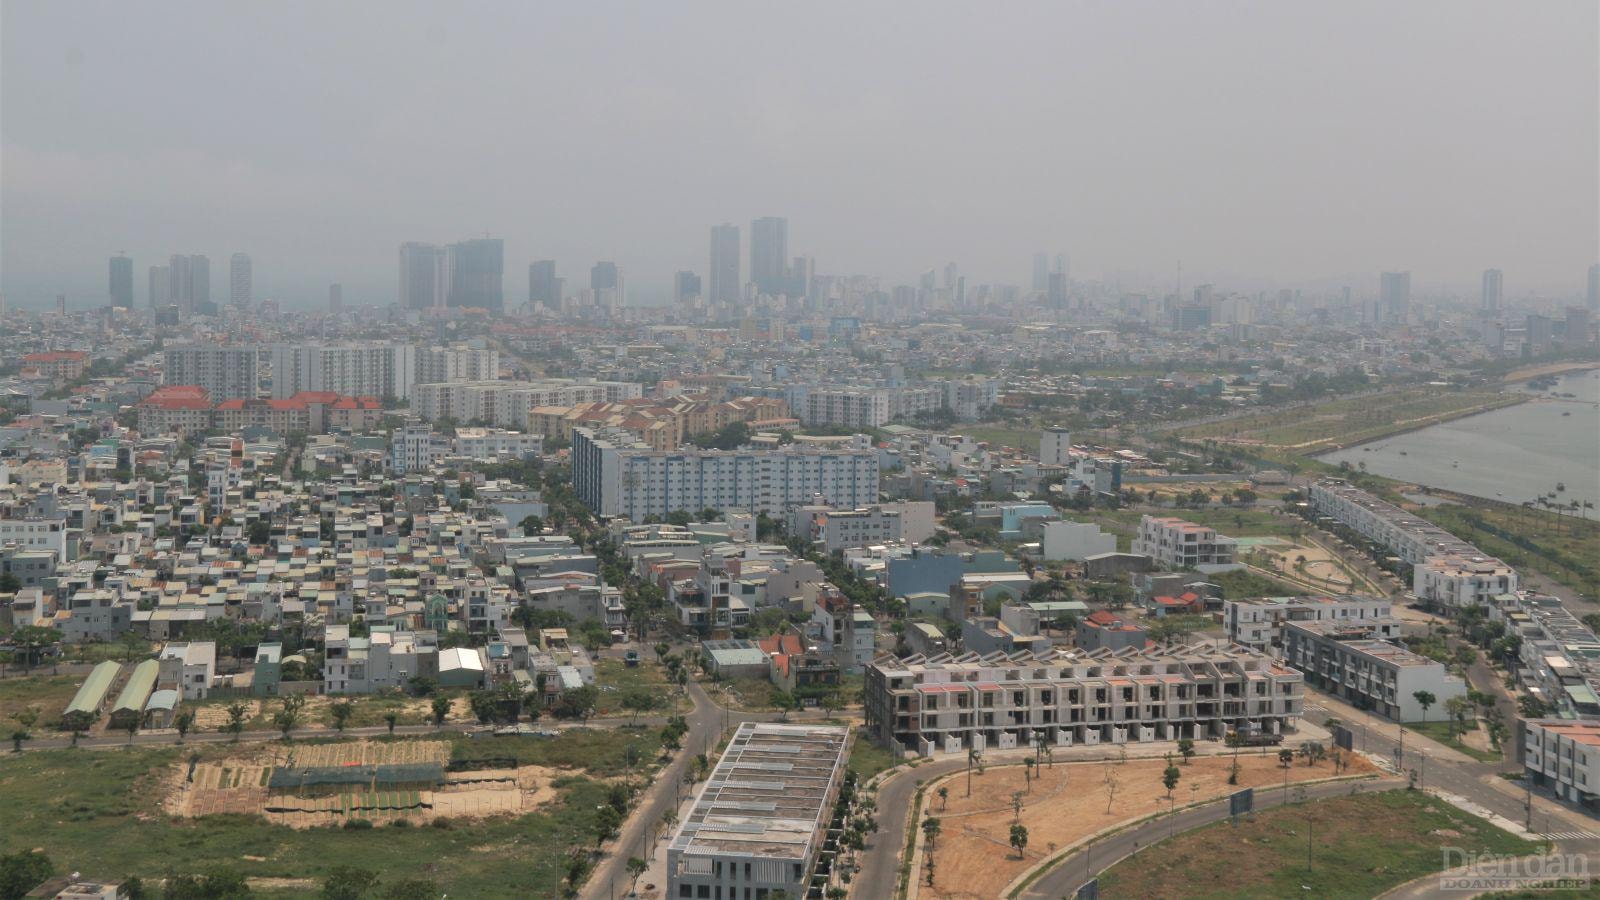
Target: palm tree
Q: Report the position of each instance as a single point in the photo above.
(973, 757)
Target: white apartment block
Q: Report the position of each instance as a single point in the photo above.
(1345, 659)
(355, 370)
(442, 364)
(1055, 447)
(1177, 544)
(1564, 757)
(1258, 622)
(758, 825)
(226, 373)
(847, 407)
(840, 529)
(616, 475)
(969, 398)
(909, 402)
(1075, 541)
(1062, 697)
(488, 444)
(35, 533)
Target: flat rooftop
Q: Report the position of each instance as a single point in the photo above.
(769, 795)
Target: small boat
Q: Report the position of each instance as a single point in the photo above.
(1566, 413)
(1403, 453)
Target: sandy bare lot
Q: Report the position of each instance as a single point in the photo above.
(239, 784)
(973, 857)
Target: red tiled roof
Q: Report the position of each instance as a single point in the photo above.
(178, 396)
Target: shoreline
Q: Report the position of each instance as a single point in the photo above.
(1510, 401)
(1523, 376)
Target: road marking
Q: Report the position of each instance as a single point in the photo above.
(1571, 835)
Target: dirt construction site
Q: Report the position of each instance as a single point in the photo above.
(305, 786)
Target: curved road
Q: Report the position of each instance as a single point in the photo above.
(1065, 878)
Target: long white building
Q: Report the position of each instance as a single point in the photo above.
(614, 474)
(759, 823)
(505, 404)
(946, 704)
(1445, 570)
(1258, 622)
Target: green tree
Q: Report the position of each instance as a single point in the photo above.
(636, 868)
(638, 700)
(25, 719)
(1186, 749)
(1019, 838)
(391, 719)
(31, 641)
(1169, 778)
(218, 884)
(78, 722)
(21, 872)
(341, 710)
(184, 723)
(289, 716)
(348, 883)
(236, 713)
(606, 822)
(441, 709)
(412, 889)
(1424, 699)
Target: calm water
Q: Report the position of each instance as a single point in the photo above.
(1515, 453)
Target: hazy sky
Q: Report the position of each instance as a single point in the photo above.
(1263, 142)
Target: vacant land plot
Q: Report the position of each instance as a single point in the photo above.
(1068, 802)
(616, 680)
(50, 694)
(101, 811)
(1323, 426)
(1361, 846)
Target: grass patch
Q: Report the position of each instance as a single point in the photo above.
(1440, 731)
(1241, 583)
(615, 679)
(868, 759)
(1362, 846)
(50, 693)
(600, 752)
(1024, 439)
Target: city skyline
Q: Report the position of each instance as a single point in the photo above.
(1250, 181)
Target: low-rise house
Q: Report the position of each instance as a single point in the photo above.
(189, 668)
(1105, 630)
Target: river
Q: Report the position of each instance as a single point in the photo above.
(1514, 454)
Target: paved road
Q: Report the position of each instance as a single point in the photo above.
(880, 861)
(706, 722)
(1078, 868)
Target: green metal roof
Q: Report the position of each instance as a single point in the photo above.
(137, 690)
(95, 687)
